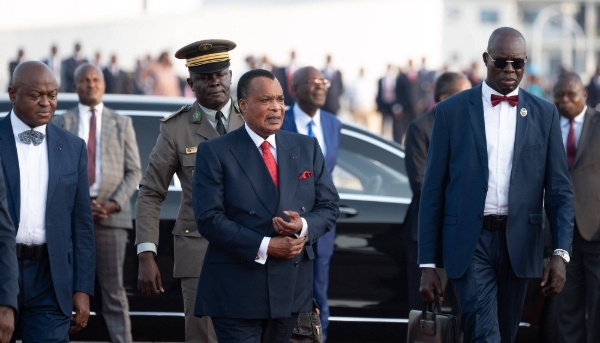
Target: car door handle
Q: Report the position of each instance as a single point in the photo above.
(348, 211)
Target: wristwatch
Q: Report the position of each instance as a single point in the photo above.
(563, 254)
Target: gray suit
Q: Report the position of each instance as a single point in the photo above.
(581, 294)
(175, 153)
(121, 172)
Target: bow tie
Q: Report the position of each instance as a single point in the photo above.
(512, 100)
(31, 136)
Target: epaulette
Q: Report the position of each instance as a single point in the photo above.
(182, 109)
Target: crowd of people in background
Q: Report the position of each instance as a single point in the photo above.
(386, 107)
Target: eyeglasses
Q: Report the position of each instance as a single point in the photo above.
(501, 62)
(570, 95)
(316, 82)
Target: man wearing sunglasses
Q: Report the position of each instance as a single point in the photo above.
(496, 157)
(309, 88)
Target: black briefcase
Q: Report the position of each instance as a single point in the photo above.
(431, 326)
(308, 327)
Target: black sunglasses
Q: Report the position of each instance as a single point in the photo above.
(501, 62)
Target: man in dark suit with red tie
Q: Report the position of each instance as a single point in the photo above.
(495, 160)
(578, 306)
(257, 273)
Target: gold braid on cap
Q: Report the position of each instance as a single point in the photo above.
(206, 59)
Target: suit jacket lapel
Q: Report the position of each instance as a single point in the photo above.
(478, 128)
(289, 121)
(327, 127)
(248, 157)
(54, 160)
(72, 121)
(287, 167)
(8, 152)
(521, 130)
(107, 137)
(589, 125)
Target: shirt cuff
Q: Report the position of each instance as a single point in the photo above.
(147, 246)
(304, 231)
(261, 257)
(427, 265)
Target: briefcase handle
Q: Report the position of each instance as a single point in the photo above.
(428, 326)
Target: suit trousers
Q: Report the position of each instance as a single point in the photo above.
(580, 298)
(40, 318)
(110, 256)
(320, 285)
(489, 294)
(239, 330)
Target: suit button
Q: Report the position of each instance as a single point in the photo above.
(485, 189)
(480, 217)
(251, 213)
(187, 231)
(295, 264)
(303, 208)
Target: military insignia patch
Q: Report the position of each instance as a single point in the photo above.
(205, 47)
(197, 115)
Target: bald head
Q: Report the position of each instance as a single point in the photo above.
(309, 88)
(28, 70)
(570, 95)
(502, 33)
(89, 84)
(33, 93)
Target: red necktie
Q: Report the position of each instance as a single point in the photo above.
(270, 162)
(91, 150)
(571, 149)
(512, 100)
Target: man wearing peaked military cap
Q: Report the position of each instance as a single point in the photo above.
(214, 113)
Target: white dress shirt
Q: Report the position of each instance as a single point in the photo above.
(577, 126)
(33, 172)
(500, 129)
(302, 119)
(211, 115)
(85, 114)
(258, 140)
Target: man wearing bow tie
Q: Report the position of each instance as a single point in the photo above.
(496, 157)
(262, 198)
(49, 202)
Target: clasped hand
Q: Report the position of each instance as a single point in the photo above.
(285, 246)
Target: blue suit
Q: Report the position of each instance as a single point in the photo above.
(455, 188)
(9, 272)
(332, 128)
(69, 224)
(235, 200)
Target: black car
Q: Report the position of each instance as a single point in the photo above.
(368, 286)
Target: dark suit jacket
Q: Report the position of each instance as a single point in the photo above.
(69, 225)
(382, 106)
(68, 73)
(9, 272)
(456, 180)
(418, 137)
(281, 75)
(120, 165)
(234, 203)
(593, 90)
(332, 130)
(332, 102)
(115, 84)
(585, 178)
